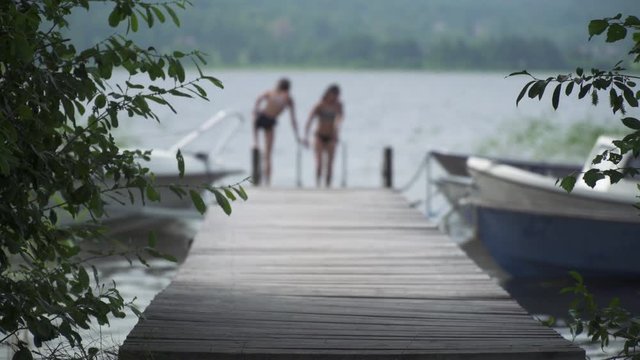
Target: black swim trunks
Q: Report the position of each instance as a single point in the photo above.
(265, 122)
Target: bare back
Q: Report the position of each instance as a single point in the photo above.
(275, 103)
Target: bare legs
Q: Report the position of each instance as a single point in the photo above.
(268, 147)
(324, 151)
(331, 150)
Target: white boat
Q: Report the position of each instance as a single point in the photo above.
(534, 228)
(456, 185)
(201, 169)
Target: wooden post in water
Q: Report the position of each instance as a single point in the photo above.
(387, 167)
(256, 169)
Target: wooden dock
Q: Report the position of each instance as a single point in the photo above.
(353, 274)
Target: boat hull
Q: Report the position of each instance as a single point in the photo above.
(533, 228)
(527, 244)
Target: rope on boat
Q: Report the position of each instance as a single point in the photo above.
(416, 176)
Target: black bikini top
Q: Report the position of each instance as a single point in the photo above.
(327, 115)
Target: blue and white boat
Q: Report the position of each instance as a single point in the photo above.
(534, 228)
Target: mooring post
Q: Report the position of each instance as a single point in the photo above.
(387, 167)
(256, 169)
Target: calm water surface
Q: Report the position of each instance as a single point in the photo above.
(412, 111)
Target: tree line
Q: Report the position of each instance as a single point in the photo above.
(439, 34)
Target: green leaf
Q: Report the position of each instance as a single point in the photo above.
(616, 32)
(597, 159)
(523, 72)
(83, 277)
(152, 239)
(523, 91)
(101, 101)
(569, 88)
(592, 176)
(632, 21)
(576, 276)
(214, 81)
(22, 354)
(156, 99)
(149, 16)
(555, 99)
(631, 123)
(222, 201)
(197, 201)
(158, 13)
(53, 216)
(180, 192)
(175, 92)
(614, 175)
(115, 17)
(152, 194)
(201, 91)
(631, 99)
(584, 90)
(180, 159)
(597, 27)
(568, 183)
(550, 322)
(240, 191)
(136, 311)
(229, 194)
(158, 254)
(173, 15)
(134, 22)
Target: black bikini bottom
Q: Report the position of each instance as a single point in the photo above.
(325, 139)
(265, 122)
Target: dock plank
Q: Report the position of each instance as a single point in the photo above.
(345, 274)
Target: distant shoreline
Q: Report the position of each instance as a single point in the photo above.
(436, 70)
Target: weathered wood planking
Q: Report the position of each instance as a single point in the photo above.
(357, 274)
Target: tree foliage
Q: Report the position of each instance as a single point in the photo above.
(59, 159)
(601, 324)
(619, 89)
(586, 316)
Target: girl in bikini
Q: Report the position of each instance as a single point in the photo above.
(267, 108)
(329, 114)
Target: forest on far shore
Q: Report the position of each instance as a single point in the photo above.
(414, 34)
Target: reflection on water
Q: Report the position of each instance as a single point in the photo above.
(542, 298)
(133, 279)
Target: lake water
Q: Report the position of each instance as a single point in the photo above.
(413, 112)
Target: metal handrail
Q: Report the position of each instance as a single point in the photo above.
(343, 182)
(207, 126)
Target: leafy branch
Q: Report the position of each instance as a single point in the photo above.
(601, 324)
(53, 159)
(621, 92)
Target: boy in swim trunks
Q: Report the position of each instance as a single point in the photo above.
(267, 108)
